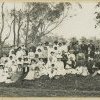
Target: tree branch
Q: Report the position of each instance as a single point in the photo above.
(56, 25)
(2, 25)
(8, 33)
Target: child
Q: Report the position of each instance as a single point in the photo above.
(25, 66)
(52, 71)
(20, 64)
(37, 72)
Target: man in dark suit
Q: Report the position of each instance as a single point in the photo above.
(84, 48)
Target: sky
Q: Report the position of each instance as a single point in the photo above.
(80, 25)
(83, 24)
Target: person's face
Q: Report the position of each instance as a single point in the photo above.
(39, 50)
(58, 59)
(20, 59)
(60, 44)
(26, 59)
(83, 42)
(52, 53)
(11, 58)
(19, 49)
(52, 65)
(32, 62)
(12, 52)
(41, 59)
(71, 52)
(45, 48)
(63, 52)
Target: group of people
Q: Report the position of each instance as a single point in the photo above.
(51, 59)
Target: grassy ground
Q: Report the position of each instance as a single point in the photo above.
(70, 85)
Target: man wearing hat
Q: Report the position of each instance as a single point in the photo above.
(64, 58)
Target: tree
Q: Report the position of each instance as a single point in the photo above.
(45, 17)
(2, 41)
(18, 17)
(97, 15)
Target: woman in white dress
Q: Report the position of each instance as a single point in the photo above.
(42, 66)
(60, 66)
(30, 75)
(2, 76)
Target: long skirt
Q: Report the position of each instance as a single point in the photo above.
(30, 75)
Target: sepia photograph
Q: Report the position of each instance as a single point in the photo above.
(50, 49)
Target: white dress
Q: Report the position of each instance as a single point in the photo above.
(69, 69)
(52, 71)
(82, 70)
(60, 68)
(43, 69)
(30, 75)
(2, 76)
(20, 54)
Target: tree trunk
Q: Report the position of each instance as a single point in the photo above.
(27, 30)
(18, 32)
(14, 41)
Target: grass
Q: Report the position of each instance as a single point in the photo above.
(70, 85)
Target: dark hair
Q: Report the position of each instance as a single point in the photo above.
(56, 42)
(33, 60)
(52, 64)
(55, 48)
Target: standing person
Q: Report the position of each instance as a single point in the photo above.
(84, 48)
(11, 50)
(64, 47)
(4, 58)
(81, 64)
(25, 66)
(2, 76)
(96, 62)
(71, 55)
(60, 66)
(39, 47)
(31, 54)
(45, 54)
(55, 44)
(76, 48)
(64, 58)
(9, 63)
(60, 48)
(39, 52)
(91, 49)
(20, 53)
(31, 74)
(52, 58)
(52, 71)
